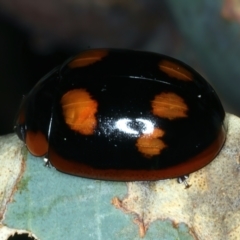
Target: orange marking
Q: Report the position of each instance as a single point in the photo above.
(149, 144)
(37, 143)
(169, 105)
(193, 164)
(79, 111)
(175, 70)
(87, 58)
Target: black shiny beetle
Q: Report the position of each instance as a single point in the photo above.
(123, 115)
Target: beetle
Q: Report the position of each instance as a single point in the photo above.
(123, 115)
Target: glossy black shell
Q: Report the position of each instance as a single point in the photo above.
(143, 116)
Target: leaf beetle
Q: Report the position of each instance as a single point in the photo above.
(123, 115)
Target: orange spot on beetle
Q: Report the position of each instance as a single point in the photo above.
(175, 70)
(79, 111)
(37, 143)
(150, 144)
(87, 58)
(169, 105)
(191, 165)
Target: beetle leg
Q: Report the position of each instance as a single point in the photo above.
(183, 179)
(47, 162)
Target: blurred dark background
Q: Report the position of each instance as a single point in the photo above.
(36, 36)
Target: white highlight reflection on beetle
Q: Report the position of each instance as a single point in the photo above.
(123, 125)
